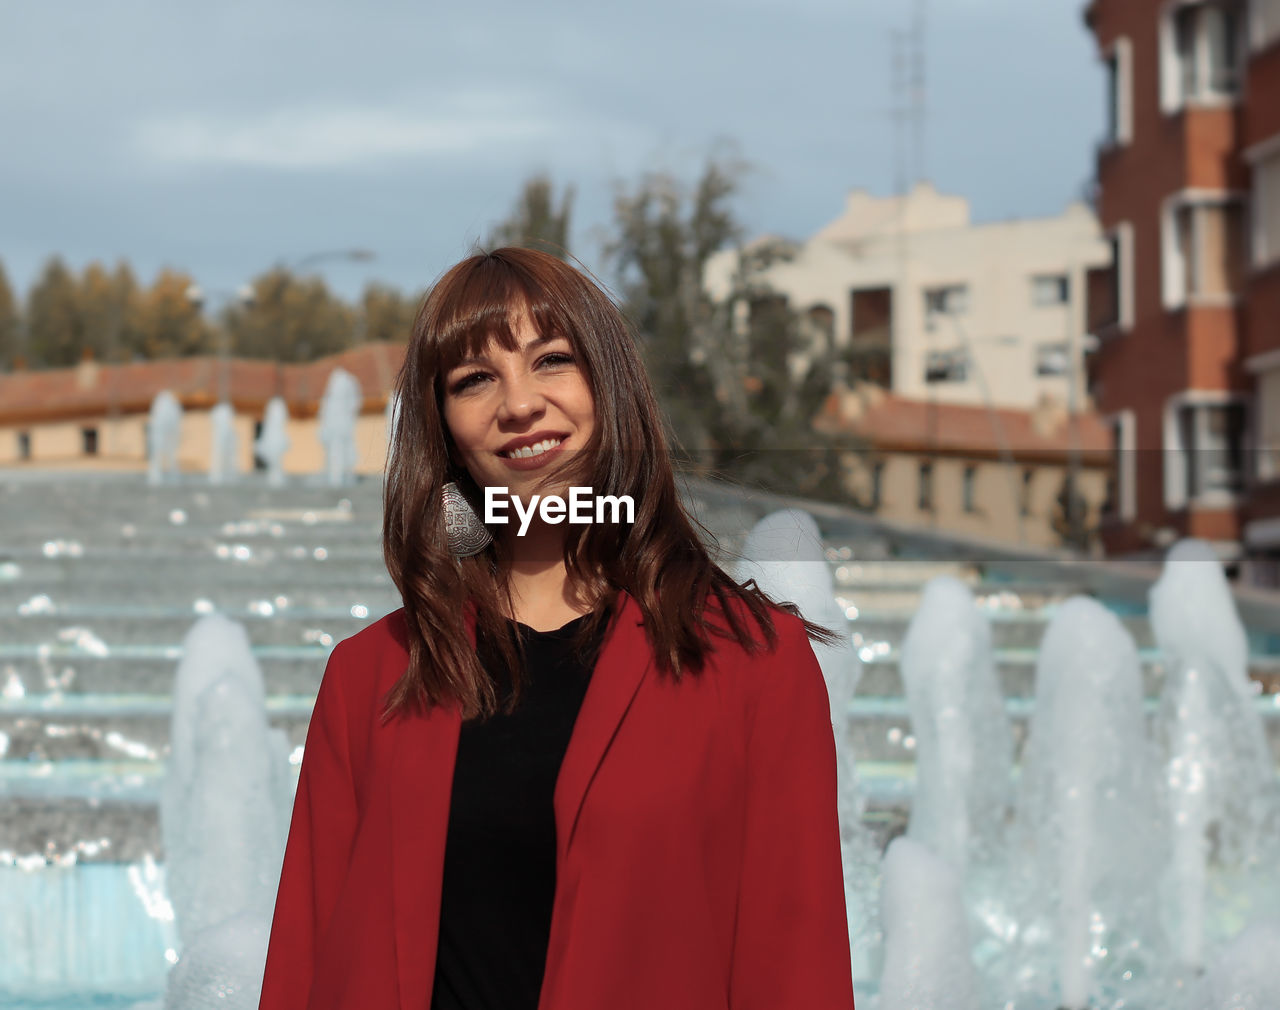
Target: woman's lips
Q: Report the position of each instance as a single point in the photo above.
(532, 462)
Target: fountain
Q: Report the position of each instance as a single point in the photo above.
(339, 410)
(1218, 767)
(964, 751)
(164, 432)
(1246, 975)
(273, 442)
(224, 444)
(1137, 855)
(783, 553)
(1084, 845)
(927, 959)
(224, 817)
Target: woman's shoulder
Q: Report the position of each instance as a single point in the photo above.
(782, 634)
(375, 656)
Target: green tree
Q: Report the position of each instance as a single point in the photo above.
(664, 232)
(165, 322)
(55, 334)
(9, 349)
(743, 379)
(290, 319)
(536, 221)
(386, 314)
(774, 370)
(108, 304)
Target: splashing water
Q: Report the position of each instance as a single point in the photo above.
(339, 409)
(273, 443)
(964, 750)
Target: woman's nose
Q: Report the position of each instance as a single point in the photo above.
(520, 399)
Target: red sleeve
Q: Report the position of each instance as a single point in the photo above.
(315, 859)
(791, 941)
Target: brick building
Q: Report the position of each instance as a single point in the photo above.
(1187, 371)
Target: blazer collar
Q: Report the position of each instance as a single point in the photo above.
(425, 748)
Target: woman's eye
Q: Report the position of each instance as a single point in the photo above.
(557, 359)
(466, 382)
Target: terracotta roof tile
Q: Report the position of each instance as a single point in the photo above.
(890, 422)
(91, 388)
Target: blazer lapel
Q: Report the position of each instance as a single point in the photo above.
(424, 752)
(624, 657)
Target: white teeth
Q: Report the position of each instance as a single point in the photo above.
(537, 449)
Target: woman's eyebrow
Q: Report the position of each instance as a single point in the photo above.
(524, 348)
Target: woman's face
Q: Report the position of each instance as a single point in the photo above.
(513, 414)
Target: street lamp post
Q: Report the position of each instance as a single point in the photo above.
(199, 299)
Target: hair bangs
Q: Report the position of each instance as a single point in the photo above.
(481, 305)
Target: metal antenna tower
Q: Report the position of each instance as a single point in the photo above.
(908, 80)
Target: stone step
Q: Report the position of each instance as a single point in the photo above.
(903, 572)
(96, 727)
(1010, 629)
(101, 635)
(280, 571)
(150, 670)
(79, 823)
(155, 538)
(1001, 596)
(1016, 671)
(105, 596)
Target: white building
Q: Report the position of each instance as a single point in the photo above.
(932, 306)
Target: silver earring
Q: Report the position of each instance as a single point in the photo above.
(464, 531)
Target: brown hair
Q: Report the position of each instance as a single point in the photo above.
(684, 597)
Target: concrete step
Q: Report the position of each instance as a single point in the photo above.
(109, 812)
(106, 596)
(1010, 629)
(99, 636)
(281, 570)
(1016, 671)
(96, 727)
(150, 670)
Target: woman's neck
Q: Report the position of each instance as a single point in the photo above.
(542, 595)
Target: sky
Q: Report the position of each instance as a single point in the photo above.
(227, 138)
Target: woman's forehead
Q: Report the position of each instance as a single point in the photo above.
(515, 331)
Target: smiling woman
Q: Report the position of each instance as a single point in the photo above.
(582, 767)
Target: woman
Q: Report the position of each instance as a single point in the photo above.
(581, 769)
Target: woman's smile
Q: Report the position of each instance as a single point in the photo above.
(519, 410)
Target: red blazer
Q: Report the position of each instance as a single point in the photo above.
(698, 848)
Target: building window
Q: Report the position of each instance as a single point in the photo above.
(24, 445)
(946, 366)
(1264, 22)
(1050, 289)
(1053, 360)
(1119, 74)
(871, 336)
(924, 488)
(969, 489)
(89, 441)
(1204, 249)
(1207, 457)
(1121, 500)
(947, 300)
(877, 485)
(1024, 492)
(1109, 298)
(1268, 425)
(1266, 210)
(1200, 58)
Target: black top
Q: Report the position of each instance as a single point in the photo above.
(500, 852)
